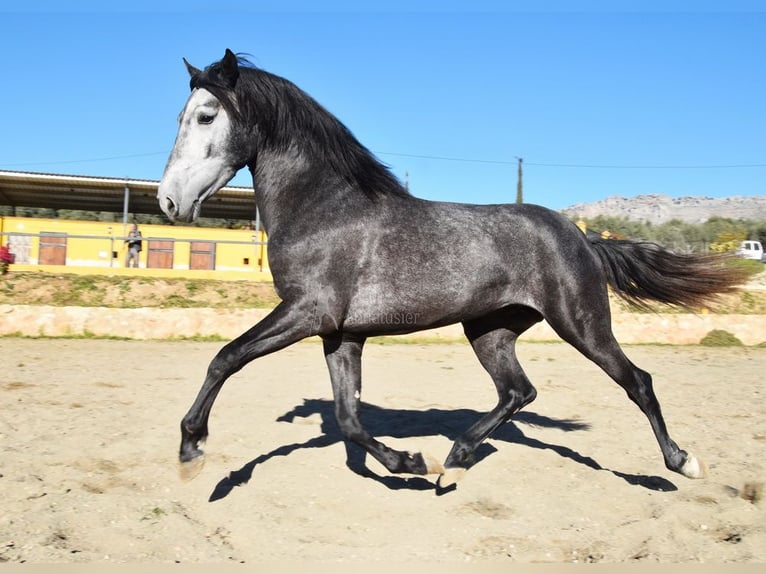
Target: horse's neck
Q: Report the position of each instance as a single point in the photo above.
(292, 189)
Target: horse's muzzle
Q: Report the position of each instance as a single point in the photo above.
(176, 209)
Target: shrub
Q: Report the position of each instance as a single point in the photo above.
(720, 338)
(6, 258)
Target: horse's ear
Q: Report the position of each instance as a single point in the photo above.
(191, 69)
(230, 68)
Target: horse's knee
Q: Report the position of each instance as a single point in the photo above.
(517, 398)
(220, 367)
(350, 428)
(354, 434)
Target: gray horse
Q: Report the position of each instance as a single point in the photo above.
(354, 255)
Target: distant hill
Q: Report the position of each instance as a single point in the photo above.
(658, 209)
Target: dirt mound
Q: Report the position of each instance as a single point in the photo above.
(132, 292)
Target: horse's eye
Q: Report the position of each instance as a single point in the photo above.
(205, 119)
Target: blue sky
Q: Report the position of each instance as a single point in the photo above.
(599, 98)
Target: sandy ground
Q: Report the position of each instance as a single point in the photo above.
(89, 433)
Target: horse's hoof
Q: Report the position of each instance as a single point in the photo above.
(433, 466)
(190, 469)
(694, 467)
(451, 476)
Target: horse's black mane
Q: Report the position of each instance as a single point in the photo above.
(286, 116)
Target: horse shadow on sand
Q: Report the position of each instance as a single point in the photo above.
(406, 423)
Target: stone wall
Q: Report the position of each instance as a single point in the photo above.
(155, 323)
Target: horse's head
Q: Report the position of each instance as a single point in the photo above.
(206, 153)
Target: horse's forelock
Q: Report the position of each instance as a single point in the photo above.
(220, 90)
(213, 79)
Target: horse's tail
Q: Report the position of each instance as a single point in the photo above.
(641, 272)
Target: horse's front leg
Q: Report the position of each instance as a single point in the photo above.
(344, 361)
(285, 325)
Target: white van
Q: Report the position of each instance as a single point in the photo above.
(751, 250)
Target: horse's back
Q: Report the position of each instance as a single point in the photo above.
(510, 233)
(448, 261)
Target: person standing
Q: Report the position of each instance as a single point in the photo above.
(133, 242)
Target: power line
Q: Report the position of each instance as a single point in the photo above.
(71, 161)
(607, 166)
(577, 166)
(513, 162)
(444, 158)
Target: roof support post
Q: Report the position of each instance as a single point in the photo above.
(125, 202)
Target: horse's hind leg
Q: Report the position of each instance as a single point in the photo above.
(638, 385)
(599, 345)
(344, 361)
(493, 339)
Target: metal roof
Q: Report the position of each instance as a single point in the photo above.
(56, 191)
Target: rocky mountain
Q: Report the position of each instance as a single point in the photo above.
(658, 209)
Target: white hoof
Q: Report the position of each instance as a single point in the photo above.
(694, 467)
(451, 476)
(190, 470)
(433, 466)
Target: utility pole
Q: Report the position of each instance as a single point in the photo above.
(520, 183)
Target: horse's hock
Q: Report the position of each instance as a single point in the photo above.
(157, 323)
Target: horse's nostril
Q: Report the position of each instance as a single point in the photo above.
(171, 209)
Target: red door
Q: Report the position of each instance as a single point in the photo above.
(52, 248)
(202, 255)
(160, 254)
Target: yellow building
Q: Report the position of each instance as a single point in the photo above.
(63, 245)
(99, 247)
